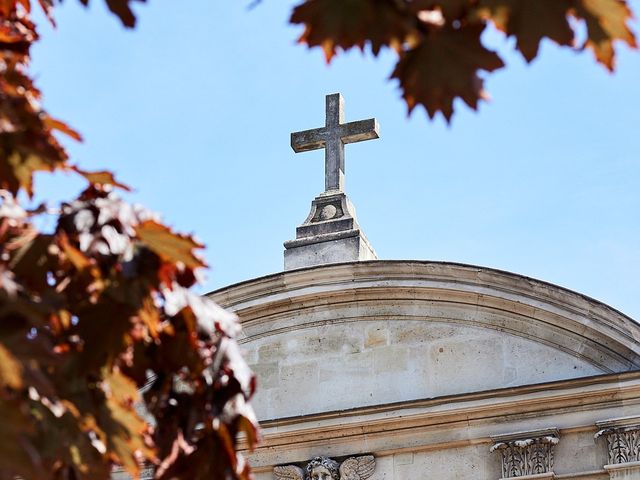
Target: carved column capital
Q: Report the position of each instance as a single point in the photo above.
(527, 455)
(622, 437)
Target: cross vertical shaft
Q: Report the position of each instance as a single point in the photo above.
(334, 150)
(333, 137)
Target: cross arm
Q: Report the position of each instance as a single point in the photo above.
(359, 131)
(308, 140)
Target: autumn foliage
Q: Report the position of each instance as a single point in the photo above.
(107, 359)
(439, 42)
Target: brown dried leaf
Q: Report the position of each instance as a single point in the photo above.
(125, 430)
(333, 24)
(607, 21)
(47, 8)
(443, 67)
(122, 9)
(530, 21)
(102, 177)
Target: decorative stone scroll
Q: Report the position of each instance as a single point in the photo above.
(527, 454)
(623, 439)
(324, 468)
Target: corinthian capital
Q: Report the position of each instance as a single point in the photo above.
(622, 437)
(525, 454)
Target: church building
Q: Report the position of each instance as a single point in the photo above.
(407, 370)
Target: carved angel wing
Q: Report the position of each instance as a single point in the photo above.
(357, 468)
(288, 472)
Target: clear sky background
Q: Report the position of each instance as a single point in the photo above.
(195, 106)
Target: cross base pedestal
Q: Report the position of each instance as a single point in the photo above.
(330, 234)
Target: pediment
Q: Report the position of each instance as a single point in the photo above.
(369, 333)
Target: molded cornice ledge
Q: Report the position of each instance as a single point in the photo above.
(539, 476)
(624, 471)
(434, 291)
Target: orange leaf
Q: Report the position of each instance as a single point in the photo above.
(150, 316)
(6, 7)
(169, 246)
(530, 21)
(10, 370)
(333, 24)
(607, 21)
(444, 66)
(124, 429)
(75, 256)
(60, 126)
(102, 177)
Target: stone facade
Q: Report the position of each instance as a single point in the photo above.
(429, 366)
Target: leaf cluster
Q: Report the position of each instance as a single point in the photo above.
(439, 43)
(107, 358)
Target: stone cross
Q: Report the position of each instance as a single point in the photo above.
(333, 137)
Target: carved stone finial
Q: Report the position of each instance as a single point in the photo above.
(525, 454)
(324, 468)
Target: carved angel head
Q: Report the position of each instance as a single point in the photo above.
(322, 468)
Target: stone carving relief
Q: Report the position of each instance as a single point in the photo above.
(526, 455)
(623, 443)
(324, 468)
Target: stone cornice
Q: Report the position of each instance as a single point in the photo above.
(604, 393)
(594, 383)
(435, 291)
(232, 295)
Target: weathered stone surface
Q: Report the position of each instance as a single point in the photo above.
(527, 455)
(423, 363)
(324, 468)
(622, 438)
(625, 471)
(333, 137)
(330, 234)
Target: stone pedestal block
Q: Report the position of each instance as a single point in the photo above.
(330, 234)
(351, 247)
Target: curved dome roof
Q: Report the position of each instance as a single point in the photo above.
(386, 331)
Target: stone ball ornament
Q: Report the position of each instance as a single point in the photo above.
(324, 468)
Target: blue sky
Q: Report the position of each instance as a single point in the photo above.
(195, 106)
